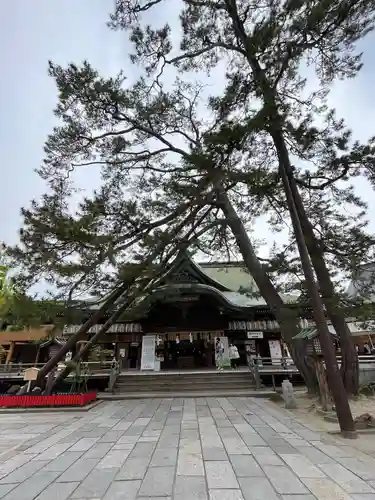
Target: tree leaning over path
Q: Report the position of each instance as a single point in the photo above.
(262, 48)
(188, 185)
(195, 189)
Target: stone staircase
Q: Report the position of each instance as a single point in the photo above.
(184, 384)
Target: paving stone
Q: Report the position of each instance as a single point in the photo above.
(236, 446)
(190, 488)
(265, 456)
(122, 490)
(64, 461)
(214, 454)
(79, 470)
(211, 440)
(226, 495)
(315, 456)
(362, 469)
(325, 489)
(123, 425)
(23, 472)
(122, 446)
(99, 450)
(299, 497)
(283, 480)
(188, 446)
(158, 481)
(31, 488)
(190, 464)
(334, 451)
(301, 466)
(111, 436)
(133, 468)
(220, 475)
(346, 479)
(245, 466)
(126, 439)
(5, 488)
(53, 452)
(142, 450)
(257, 488)
(253, 440)
(165, 457)
(83, 444)
(114, 458)
(95, 484)
(57, 491)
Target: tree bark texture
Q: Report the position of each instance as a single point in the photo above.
(349, 365)
(286, 317)
(321, 373)
(86, 347)
(275, 128)
(82, 332)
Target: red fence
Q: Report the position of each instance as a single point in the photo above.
(29, 400)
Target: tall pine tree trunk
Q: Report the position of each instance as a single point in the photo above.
(349, 365)
(85, 349)
(275, 128)
(286, 317)
(82, 332)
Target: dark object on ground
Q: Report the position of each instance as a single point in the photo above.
(13, 389)
(364, 421)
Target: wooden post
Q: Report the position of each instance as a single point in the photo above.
(37, 355)
(323, 384)
(10, 353)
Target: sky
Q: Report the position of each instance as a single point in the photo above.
(33, 32)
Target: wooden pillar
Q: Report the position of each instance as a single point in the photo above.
(321, 375)
(37, 355)
(10, 353)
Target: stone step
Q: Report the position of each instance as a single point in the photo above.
(196, 383)
(211, 376)
(251, 393)
(182, 389)
(174, 383)
(170, 380)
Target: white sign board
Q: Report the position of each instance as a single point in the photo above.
(275, 351)
(148, 352)
(31, 374)
(254, 335)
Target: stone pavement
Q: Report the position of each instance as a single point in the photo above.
(180, 449)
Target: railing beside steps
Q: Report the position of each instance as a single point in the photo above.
(285, 366)
(90, 368)
(271, 367)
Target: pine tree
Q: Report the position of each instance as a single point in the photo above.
(172, 201)
(262, 49)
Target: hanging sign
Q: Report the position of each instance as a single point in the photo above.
(254, 335)
(148, 352)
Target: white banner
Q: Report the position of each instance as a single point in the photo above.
(148, 352)
(222, 352)
(275, 351)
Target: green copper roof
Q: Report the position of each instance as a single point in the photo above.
(306, 333)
